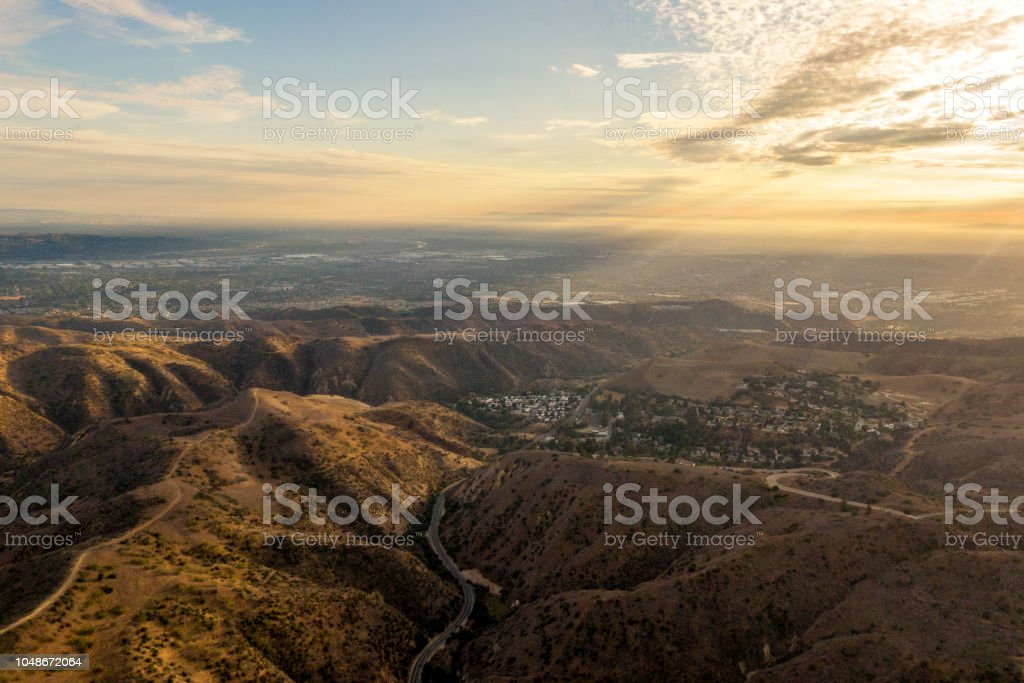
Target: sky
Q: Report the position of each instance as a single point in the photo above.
(792, 121)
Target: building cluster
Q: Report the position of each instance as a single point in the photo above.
(770, 421)
(544, 407)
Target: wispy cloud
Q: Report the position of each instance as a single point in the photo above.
(572, 124)
(647, 60)
(100, 172)
(146, 22)
(583, 71)
(442, 117)
(22, 21)
(88, 105)
(213, 95)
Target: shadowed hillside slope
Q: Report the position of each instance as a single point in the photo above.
(173, 576)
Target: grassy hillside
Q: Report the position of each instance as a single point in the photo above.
(178, 583)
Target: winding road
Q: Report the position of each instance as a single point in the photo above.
(468, 596)
(773, 480)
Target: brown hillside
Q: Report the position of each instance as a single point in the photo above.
(179, 584)
(826, 593)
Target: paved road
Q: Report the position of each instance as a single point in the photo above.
(468, 596)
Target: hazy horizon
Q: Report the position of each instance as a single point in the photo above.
(879, 125)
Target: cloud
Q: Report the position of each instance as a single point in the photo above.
(647, 60)
(22, 21)
(440, 116)
(840, 80)
(159, 26)
(118, 156)
(805, 155)
(572, 124)
(601, 196)
(583, 71)
(468, 121)
(214, 95)
(886, 138)
(98, 172)
(518, 137)
(86, 104)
